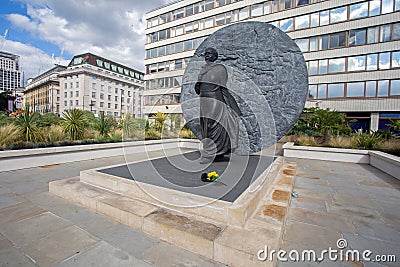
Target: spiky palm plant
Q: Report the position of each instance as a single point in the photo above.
(160, 119)
(27, 124)
(104, 124)
(74, 122)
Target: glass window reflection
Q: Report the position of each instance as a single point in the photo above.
(338, 14)
(384, 61)
(335, 90)
(370, 89)
(336, 65)
(372, 62)
(383, 88)
(395, 87)
(359, 10)
(356, 63)
(355, 89)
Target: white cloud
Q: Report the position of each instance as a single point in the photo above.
(33, 60)
(112, 29)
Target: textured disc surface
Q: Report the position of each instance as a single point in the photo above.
(267, 76)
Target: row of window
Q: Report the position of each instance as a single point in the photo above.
(174, 48)
(167, 99)
(71, 85)
(381, 61)
(383, 33)
(381, 88)
(187, 11)
(101, 104)
(111, 90)
(171, 65)
(162, 83)
(326, 17)
(274, 6)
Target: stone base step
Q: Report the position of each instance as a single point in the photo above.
(226, 244)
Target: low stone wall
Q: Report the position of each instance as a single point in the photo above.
(380, 160)
(28, 158)
(326, 153)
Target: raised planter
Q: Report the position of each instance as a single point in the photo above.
(28, 158)
(380, 160)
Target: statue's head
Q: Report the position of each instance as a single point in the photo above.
(210, 55)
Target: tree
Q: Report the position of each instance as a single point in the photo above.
(104, 124)
(74, 122)
(160, 119)
(326, 121)
(27, 124)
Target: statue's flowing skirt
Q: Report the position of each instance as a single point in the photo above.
(219, 123)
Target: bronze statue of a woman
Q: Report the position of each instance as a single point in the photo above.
(218, 110)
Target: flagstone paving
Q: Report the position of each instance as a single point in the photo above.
(336, 200)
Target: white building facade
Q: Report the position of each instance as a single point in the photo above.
(97, 84)
(10, 72)
(352, 49)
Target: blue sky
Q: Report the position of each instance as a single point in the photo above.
(40, 29)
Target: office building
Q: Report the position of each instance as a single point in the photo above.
(352, 50)
(94, 83)
(42, 93)
(10, 72)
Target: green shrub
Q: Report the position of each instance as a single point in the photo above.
(368, 141)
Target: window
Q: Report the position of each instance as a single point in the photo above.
(312, 91)
(387, 6)
(267, 8)
(109, 105)
(336, 65)
(161, 51)
(178, 47)
(109, 89)
(302, 22)
(188, 45)
(77, 84)
(101, 96)
(76, 93)
(244, 13)
(116, 90)
(313, 43)
(386, 33)
(286, 25)
(65, 85)
(101, 104)
(109, 97)
(395, 87)
(179, 13)
(383, 88)
(178, 64)
(397, 5)
(115, 106)
(314, 20)
(179, 30)
(189, 10)
(356, 63)
(76, 102)
(209, 4)
(359, 10)
(370, 89)
(324, 18)
(102, 87)
(384, 60)
(323, 66)
(355, 89)
(65, 94)
(338, 14)
(71, 94)
(337, 39)
(396, 31)
(335, 90)
(313, 67)
(70, 103)
(396, 59)
(70, 85)
(357, 37)
(257, 10)
(189, 28)
(322, 90)
(302, 2)
(116, 98)
(303, 44)
(372, 35)
(323, 43)
(374, 8)
(372, 62)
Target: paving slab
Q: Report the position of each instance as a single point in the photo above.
(131, 241)
(31, 229)
(102, 254)
(167, 255)
(58, 245)
(13, 257)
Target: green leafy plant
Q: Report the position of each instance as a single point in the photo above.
(27, 124)
(48, 119)
(9, 134)
(104, 124)
(160, 119)
(368, 140)
(74, 122)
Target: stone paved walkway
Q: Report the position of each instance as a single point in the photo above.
(336, 200)
(343, 200)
